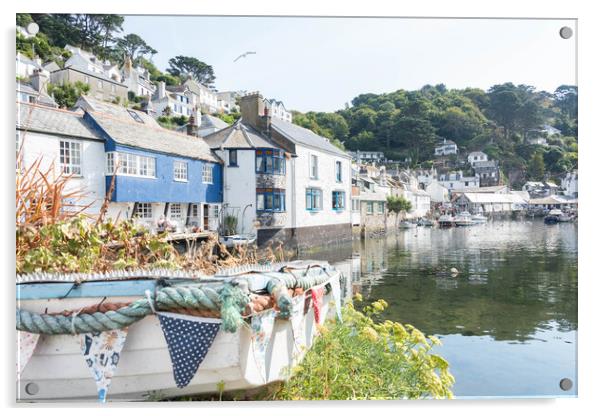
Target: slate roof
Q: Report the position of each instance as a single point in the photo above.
(119, 123)
(238, 136)
(43, 98)
(210, 121)
(44, 119)
(305, 137)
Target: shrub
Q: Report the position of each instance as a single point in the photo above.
(363, 359)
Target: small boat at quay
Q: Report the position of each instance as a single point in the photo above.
(407, 225)
(425, 222)
(267, 317)
(555, 216)
(479, 219)
(237, 239)
(446, 220)
(463, 219)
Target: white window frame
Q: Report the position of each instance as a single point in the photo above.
(175, 211)
(70, 157)
(131, 164)
(180, 171)
(313, 166)
(144, 210)
(207, 173)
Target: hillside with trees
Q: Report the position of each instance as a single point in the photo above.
(499, 121)
(102, 34)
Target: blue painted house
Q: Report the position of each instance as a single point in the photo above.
(155, 173)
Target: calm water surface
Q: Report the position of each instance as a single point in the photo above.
(508, 320)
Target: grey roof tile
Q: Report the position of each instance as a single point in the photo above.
(306, 137)
(54, 121)
(238, 136)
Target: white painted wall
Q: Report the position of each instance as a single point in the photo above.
(239, 188)
(92, 181)
(326, 182)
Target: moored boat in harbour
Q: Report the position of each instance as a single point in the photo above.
(463, 219)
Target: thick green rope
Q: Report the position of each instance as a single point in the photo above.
(230, 299)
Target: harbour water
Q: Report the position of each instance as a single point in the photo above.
(507, 320)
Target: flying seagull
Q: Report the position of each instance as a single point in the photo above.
(244, 55)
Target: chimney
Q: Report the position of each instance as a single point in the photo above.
(192, 127)
(39, 81)
(147, 107)
(254, 112)
(161, 90)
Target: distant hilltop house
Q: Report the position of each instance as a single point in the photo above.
(539, 137)
(488, 172)
(205, 97)
(456, 180)
(227, 100)
(426, 176)
(550, 130)
(474, 157)
(570, 184)
(103, 78)
(540, 189)
(367, 156)
(276, 109)
(179, 99)
(137, 79)
(446, 147)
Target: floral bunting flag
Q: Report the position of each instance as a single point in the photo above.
(26, 344)
(102, 351)
(335, 286)
(317, 296)
(188, 340)
(296, 319)
(262, 326)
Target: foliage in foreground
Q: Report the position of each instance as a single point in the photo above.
(366, 359)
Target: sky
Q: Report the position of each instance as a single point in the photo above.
(319, 64)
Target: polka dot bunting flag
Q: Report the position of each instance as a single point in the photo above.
(188, 341)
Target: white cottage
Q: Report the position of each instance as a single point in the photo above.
(282, 181)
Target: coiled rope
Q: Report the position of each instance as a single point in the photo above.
(230, 299)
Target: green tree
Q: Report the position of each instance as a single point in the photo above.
(398, 204)
(536, 167)
(183, 66)
(66, 95)
(134, 47)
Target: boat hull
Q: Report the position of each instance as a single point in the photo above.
(58, 371)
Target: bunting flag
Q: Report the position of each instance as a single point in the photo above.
(26, 344)
(317, 296)
(335, 286)
(102, 351)
(297, 315)
(188, 341)
(262, 326)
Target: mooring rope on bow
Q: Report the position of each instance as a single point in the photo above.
(230, 299)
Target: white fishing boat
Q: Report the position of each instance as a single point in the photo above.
(57, 370)
(237, 239)
(407, 225)
(463, 219)
(479, 219)
(446, 220)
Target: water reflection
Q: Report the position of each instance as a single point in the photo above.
(513, 300)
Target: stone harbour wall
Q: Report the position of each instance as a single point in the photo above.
(303, 238)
